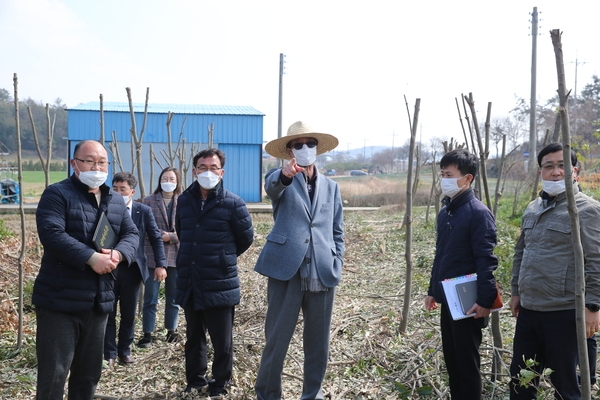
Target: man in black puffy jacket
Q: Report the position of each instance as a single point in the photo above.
(73, 292)
(214, 228)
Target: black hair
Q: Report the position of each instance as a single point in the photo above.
(125, 177)
(464, 161)
(209, 153)
(553, 148)
(177, 175)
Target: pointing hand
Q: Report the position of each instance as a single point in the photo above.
(291, 169)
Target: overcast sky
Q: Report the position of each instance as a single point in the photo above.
(348, 66)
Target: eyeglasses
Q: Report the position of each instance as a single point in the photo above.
(299, 145)
(549, 167)
(91, 163)
(203, 169)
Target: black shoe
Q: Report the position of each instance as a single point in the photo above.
(146, 341)
(172, 337)
(199, 388)
(126, 360)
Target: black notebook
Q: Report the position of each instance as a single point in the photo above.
(467, 295)
(104, 236)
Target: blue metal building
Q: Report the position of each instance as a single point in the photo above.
(237, 130)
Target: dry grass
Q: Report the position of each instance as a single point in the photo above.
(369, 358)
(373, 191)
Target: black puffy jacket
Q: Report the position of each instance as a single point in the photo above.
(212, 234)
(466, 237)
(66, 218)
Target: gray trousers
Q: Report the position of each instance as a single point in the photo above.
(285, 300)
(69, 342)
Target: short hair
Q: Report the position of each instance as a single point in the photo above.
(177, 175)
(553, 148)
(209, 153)
(463, 160)
(125, 177)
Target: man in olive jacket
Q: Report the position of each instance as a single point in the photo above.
(73, 292)
(214, 227)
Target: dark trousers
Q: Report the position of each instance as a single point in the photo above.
(592, 347)
(550, 338)
(219, 324)
(461, 340)
(127, 291)
(68, 342)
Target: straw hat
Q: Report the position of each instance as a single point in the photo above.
(277, 148)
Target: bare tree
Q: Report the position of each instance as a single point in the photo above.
(45, 163)
(101, 140)
(563, 96)
(21, 210)
(408, 219)
(137, 141)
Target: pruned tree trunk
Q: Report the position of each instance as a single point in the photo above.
(114, 150)
(49, 143)
(21, 210)
(563, 96)
(462, 125)
(101, 120)
(483, 151)
(408, 221)
(137, 142)
(37, 145)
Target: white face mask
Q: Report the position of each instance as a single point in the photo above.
(305, 156)
(168, 186)
(450, 186)
(208, 180)
(93, 179)
(126, 199)
(553, 188)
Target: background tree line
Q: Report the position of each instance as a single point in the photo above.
(8, 139)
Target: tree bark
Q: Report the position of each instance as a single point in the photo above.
(563, 96)
(408, 221)
(21, 209)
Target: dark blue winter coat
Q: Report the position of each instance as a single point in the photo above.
(66, 217)
(466, 237)
(212, 234)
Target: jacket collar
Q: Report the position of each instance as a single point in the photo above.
(217, 191)
(464, 197)
(104, 188)
(559, 198)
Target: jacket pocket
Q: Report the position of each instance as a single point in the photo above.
(276, 238)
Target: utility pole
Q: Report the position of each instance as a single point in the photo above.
(279, 116)
(575, 97)
(532, 113)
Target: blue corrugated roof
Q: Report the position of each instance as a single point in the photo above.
(175, 108)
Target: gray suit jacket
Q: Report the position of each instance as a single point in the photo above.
(297, 222)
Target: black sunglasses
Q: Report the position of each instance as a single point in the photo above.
(299, 145)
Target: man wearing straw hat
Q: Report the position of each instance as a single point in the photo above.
(302, 257)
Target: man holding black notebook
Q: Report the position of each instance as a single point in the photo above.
(73, 292)
(466, 237)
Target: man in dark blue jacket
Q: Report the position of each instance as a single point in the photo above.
(73, 292)
(466, 237)
(129, 280)
(214, 228)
